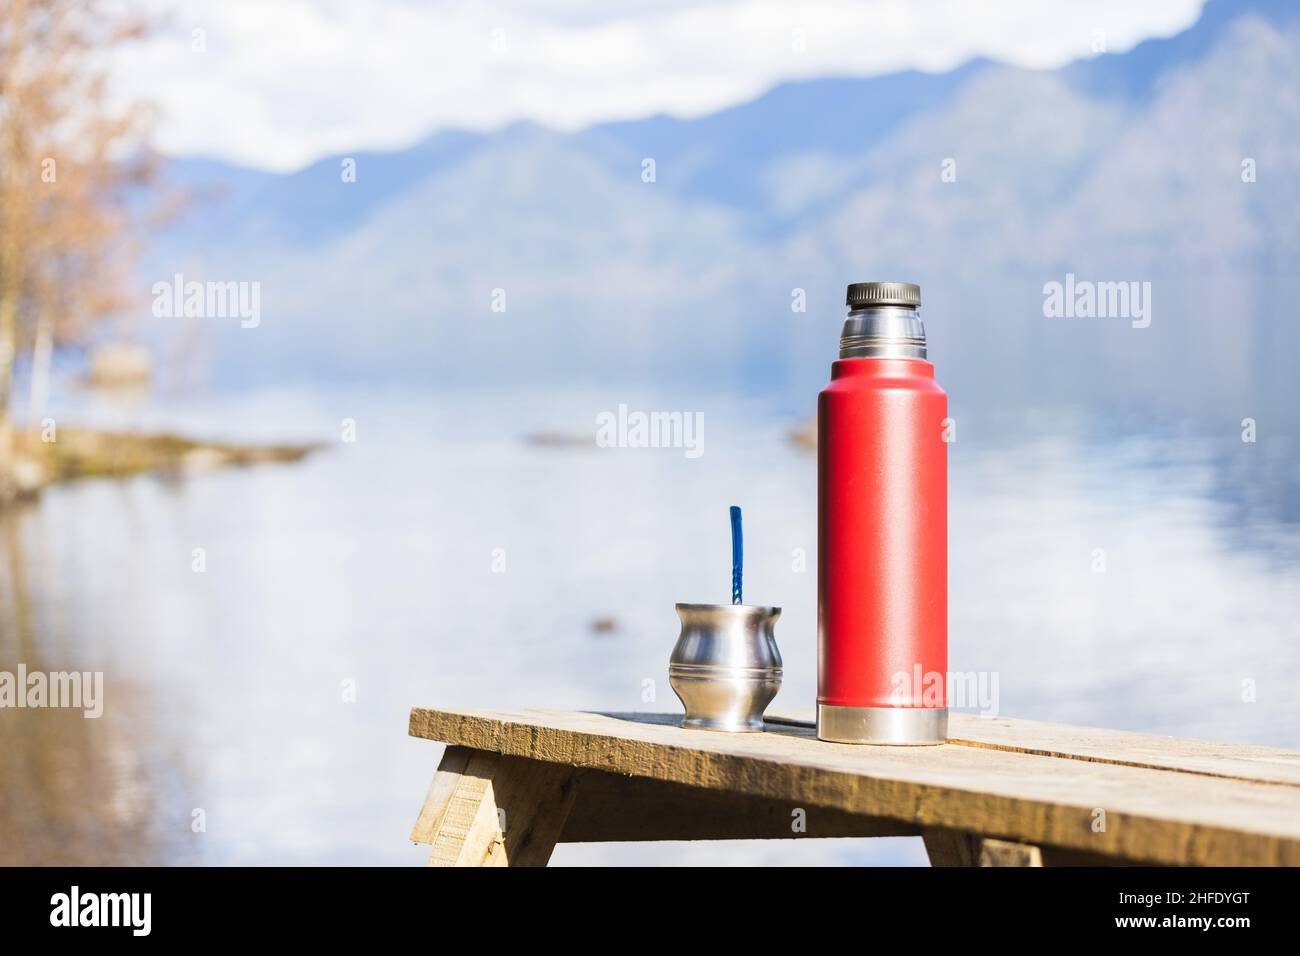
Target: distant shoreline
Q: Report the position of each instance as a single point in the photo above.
(76, 453)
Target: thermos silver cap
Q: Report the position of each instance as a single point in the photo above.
(883, 321)
(862, 295)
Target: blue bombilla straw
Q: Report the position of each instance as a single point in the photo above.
(737, 556)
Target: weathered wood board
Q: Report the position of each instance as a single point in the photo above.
(1238, 761)
(1127, 797)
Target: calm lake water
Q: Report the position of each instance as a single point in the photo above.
(440, 559)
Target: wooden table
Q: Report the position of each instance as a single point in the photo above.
(1002, 792)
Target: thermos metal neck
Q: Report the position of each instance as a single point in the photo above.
(883, 331)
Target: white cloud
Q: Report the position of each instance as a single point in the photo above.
(286, 82)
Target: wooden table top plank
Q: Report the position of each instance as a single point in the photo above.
(1157, 815)
(1236, 761)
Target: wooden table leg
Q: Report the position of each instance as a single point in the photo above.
(959, 848)
(485, 809)
(1005, 853)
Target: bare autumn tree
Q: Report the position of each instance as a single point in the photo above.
(66, 164)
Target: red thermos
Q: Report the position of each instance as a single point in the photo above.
(882, 529)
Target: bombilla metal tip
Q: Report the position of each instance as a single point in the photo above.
(737, 556)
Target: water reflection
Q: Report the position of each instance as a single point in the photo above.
(271, 689)
(76, 790)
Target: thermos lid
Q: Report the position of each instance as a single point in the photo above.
(863, 294)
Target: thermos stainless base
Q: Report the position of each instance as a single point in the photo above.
(899, 726)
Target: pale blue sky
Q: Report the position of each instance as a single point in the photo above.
(279, 84)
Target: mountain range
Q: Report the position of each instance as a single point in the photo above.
(1176, 163)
